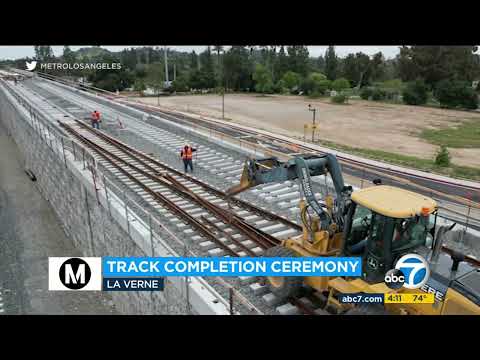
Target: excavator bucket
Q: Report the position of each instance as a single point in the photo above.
(246, 181)
(252, 171)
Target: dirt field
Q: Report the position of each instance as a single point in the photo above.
(362, 124)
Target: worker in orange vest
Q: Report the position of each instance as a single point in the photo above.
(187, 155)
(96, 119)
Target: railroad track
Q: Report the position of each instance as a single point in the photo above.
(204, 208)
(175, 192)
(224, 169)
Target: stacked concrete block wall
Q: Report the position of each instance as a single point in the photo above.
(84, 218)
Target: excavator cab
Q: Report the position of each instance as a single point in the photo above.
(384, 223)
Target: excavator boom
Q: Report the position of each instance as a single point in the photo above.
(271, 170)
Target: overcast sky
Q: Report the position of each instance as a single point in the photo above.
(15, 52)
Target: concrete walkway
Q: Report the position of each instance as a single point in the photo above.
(29, 234)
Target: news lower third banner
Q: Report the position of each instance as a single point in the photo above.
(148, 273)
(244, 266)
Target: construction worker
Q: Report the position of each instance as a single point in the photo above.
(187, 155)
(96, 119)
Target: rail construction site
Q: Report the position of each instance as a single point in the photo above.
(121, 191)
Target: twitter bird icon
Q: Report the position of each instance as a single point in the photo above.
(31, 65)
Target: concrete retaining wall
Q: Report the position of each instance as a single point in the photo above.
(95, 228)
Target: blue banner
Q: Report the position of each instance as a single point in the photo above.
(230, 266)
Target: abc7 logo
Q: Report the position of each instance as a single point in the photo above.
(411, 271)
(75, 273)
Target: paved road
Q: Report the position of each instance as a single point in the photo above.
(29, 234)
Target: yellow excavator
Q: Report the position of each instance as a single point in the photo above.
(380, 224)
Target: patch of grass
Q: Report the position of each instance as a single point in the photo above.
(428, 165)
(464, 135)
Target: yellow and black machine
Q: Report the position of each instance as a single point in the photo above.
(380, 224)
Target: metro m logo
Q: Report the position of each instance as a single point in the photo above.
(70, 276)
(75, 273)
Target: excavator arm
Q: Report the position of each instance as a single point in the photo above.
(271, 170)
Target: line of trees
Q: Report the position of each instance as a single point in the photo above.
(417, 72)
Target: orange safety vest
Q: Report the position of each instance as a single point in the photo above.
(187, 153)
(96, 116)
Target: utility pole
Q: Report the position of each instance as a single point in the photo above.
(313, 122)
(223, 90)
(166, 65)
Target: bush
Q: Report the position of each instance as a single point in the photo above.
(339, 99)
(315, 83)
(291, 81)
(340, 84)
(139, 85)
(366, 93)
(322, 86)
(452, 94)
(315, 95)
(378, 94)
(393, 84)
(415, 93)
(180, 84)
(443, 157)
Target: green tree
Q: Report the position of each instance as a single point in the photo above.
(128, 58)
(443, 157)
(437, 63)
(357, 69)
(43, 53)
(281, 63)
(207, 70)
(366, 93)
(298, 59)
(155, 76)
(331, 63)
(321, 63)
(194, 63)
(238, 68)
(109, 79)
(454, 93)
(316, 83)
(68, 55)
(415, 93)
(139, 85)
(378, 67)
(180, 84)
(263, 79)
(340, 84)
(291, 81)
(140, 70)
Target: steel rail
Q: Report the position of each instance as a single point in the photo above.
(219, 193)
(263, 239)
(229, 236)
(155, 195)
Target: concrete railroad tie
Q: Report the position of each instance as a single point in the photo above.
(2, 310)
